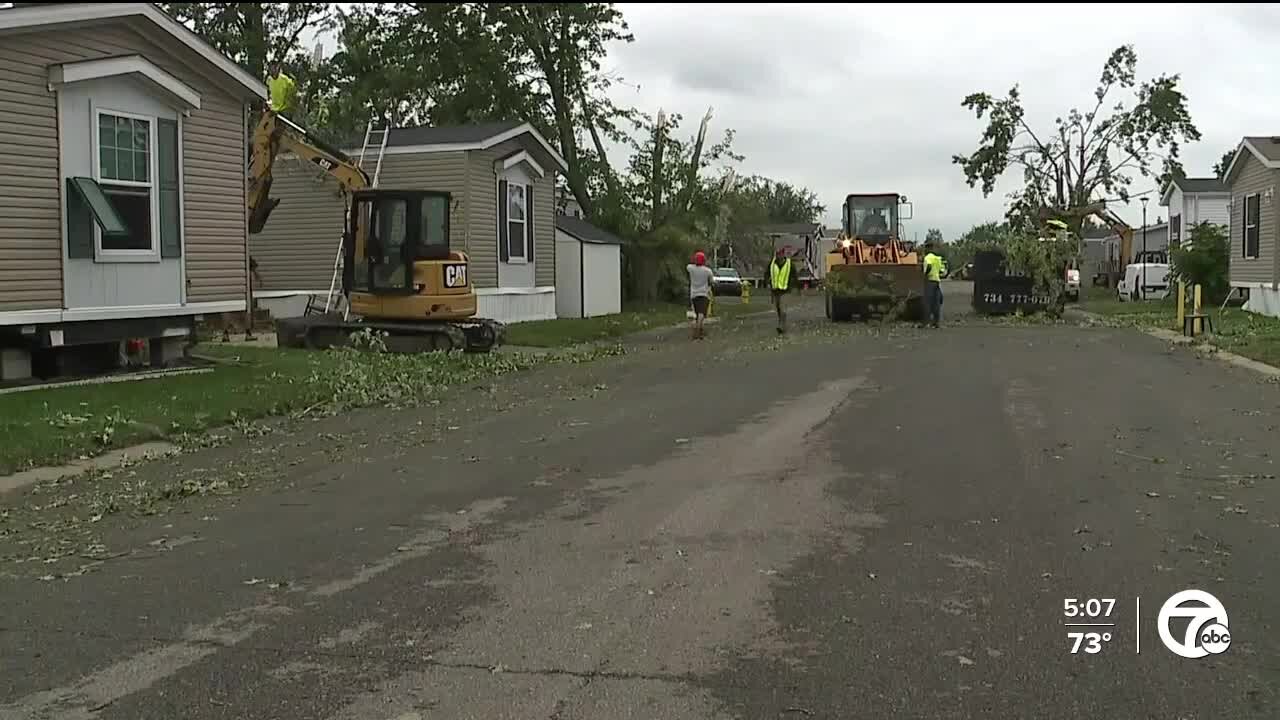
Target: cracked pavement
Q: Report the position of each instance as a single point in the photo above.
(847, 522)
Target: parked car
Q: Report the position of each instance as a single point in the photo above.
(726, 281)
(1146, 279)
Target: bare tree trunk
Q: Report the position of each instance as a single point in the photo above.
(655, 181)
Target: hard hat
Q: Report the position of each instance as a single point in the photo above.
(699, 258)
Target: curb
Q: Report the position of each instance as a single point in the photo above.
(113, 459)
(1208, 348)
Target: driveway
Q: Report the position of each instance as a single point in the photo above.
(846, 522)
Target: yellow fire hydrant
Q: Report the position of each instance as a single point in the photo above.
(746, 292)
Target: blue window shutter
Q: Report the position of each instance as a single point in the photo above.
(504, 252)
(528, 221)
(170, 210)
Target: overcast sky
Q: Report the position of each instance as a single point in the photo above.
(866, 98)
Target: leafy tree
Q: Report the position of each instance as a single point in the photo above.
(256, 35)
(260, 36)
(1220, 170)
(933, 235)
(1205, 261)
(1085, 156)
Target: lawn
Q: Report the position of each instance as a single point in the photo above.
(1235, 330)
(50, 425)
(574, 331)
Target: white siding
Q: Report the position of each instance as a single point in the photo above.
(513, 307)
(1213, 209)
(568, 276)
(603, 274)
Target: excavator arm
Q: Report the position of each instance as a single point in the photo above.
(275, 134)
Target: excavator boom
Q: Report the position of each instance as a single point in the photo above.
(275, 134)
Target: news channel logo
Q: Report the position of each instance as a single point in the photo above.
(1207, 630)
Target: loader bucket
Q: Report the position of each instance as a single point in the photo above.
(873, 289)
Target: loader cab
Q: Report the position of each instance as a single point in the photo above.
(875, 218)
(387, 232)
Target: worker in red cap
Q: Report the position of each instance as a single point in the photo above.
(699, 291)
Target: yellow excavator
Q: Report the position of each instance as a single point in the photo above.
(400, 277)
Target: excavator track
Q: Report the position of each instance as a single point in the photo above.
(321, 332)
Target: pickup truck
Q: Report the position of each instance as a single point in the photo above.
(1145, 279)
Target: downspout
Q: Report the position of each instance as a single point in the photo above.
(1275, 233)
(582, 278)
(466, 203)
(244, 185)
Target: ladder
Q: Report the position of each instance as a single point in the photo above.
(375, 141)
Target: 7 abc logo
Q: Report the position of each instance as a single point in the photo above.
(1207, 632)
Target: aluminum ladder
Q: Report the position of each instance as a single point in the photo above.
(375, 139)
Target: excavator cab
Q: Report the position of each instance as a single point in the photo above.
(398, 263)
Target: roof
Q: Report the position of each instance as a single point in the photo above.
(34, 16)
(585, 231)
(445, 138)
(446, 135)
(1265, 148)
(792, 229)
(1192, 186)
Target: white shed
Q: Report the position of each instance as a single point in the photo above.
(588, 269)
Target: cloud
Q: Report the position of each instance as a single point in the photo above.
(866, 98)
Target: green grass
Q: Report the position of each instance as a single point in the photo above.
(574, 331)
(1235, 330)
(57, 424)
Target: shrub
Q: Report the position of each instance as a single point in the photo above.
(1204, 260)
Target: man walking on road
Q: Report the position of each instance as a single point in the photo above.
(699, 291)
(935, 268)
(779, 277)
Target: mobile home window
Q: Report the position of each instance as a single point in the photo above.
(516, 220)
(125, 174)
(1252, 217)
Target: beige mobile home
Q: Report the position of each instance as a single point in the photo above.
(121, 182)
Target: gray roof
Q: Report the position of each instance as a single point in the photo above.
(441, 135)
(1201, 185)
(792, 229)
(585, 231)
(1269, 146)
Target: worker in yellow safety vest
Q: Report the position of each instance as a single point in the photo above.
(283, 91)
(779, 278)
(935, 268)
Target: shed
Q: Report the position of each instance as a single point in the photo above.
(122, 186)
(588, 269)
(501, 177)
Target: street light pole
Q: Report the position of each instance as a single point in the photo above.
(1142, 291)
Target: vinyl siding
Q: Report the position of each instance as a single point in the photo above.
(485, 215)
(1252, 178)
(30, 190)
(297, 246)
(443, 172)
(1213, 209)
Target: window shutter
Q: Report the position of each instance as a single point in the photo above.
(170, 210)
(504, 253)
(79, 225)
(528, 221)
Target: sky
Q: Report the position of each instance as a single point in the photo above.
(866, 97)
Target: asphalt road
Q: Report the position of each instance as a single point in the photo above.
(847, 522)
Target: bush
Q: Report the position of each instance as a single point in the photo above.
(1204, 260)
